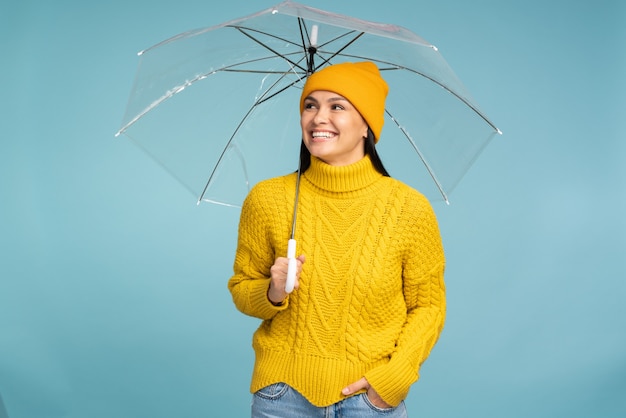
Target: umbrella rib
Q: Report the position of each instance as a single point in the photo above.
(293, 83)
(455, 94)
(230, 70)
(255, 60)
(232, 137)
(339, 51)
(264, 99)
(395, 67)
(278, 54)
(421, 156)
(223, 153)
(268, 34)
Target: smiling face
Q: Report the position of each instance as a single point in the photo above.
(332, 129)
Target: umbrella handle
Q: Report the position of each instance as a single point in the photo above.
(292, 267)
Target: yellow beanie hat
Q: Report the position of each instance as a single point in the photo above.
(360, 83)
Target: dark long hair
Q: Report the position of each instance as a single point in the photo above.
(370, 149)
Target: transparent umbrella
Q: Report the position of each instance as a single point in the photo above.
(219, 107)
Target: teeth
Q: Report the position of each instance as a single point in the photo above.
(322, 135)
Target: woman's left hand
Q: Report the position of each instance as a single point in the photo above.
(373, 396)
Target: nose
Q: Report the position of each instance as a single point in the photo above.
(321, 115)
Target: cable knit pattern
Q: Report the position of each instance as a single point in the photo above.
(371, 300)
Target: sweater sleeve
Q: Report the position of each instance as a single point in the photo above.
(424, 294)
(253, 260)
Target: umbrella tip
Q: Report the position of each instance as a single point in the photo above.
(313, 38)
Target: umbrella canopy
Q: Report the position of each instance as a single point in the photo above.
(219, 107)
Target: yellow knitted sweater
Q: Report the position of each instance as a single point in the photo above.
(371, 300)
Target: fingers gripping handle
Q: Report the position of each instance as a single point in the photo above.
(292, 267)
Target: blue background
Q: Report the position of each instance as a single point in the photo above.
(113, 299)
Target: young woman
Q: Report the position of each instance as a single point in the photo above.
(369, 298)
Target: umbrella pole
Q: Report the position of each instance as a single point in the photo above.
(295, 203)
(291, 247)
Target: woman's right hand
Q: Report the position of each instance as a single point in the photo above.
(276, 293)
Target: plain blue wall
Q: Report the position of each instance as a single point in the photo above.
(113, 299)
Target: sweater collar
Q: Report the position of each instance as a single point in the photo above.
(342, 178)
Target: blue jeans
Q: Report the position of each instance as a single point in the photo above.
(281, 401)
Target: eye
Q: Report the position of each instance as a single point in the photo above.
(337, 107)
(309, 105)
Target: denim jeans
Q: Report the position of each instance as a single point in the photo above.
(281, 401)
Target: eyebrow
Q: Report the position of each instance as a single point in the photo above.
(332, 99)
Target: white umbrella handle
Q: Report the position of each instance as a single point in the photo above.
(292, 267)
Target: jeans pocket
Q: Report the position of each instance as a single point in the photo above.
(272, 392)
(375, 408)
